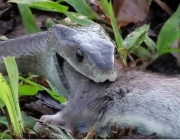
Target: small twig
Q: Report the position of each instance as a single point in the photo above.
(130, 57)
(107, 28)
(130, 131)
(146, 65)
(91, 133)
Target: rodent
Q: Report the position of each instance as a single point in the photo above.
(148, 102)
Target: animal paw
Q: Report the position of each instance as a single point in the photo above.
(55, 119)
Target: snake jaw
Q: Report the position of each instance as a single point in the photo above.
(101, 77)
(109, 75)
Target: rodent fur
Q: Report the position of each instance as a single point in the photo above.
(148, 102)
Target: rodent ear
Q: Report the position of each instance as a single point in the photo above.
(64, 30)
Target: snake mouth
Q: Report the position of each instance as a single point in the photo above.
(109, 75)
(102, 76)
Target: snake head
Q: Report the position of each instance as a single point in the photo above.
(88, 50)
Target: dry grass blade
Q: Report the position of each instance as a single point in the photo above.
(91, 133)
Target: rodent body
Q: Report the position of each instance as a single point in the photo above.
(148, 102)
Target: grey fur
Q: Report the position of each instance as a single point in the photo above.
(146, 101)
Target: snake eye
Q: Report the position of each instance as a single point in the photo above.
(79, 55)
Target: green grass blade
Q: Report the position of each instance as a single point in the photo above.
(78, 18)
(142, 53)
(27, 90)
(53, 94)
(82, 7)
(134, 39)
(118, 37)
(6, 97)
(1, 103)
(26, 1)
(46, 5)
(13, 75)
(3, 120)
(170, 50)
(49, 6)
(119, 40)
(28, 120)
(49, 23)
(169, 33)
(105, 5)
(28, 19)
(5, 135)
(151, 44)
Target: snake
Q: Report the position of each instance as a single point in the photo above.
(88, 49)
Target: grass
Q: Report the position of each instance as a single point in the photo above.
(9, 96)
(9, 101)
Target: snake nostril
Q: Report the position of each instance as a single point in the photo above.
(79, 55)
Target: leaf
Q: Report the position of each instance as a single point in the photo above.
(170, 50)
(130, 11)
(105, 5)
(26, 1)
(118, 37)
(27, 90)
(13, 75)
(78, 18)
(82, 7)
(46, 5)
(119, 40)
(1, 103)
(28, 121)
(4, 121)
(28, 19)
(169, 33)
(142, 53)
(24, 89)
(49, 23)
(4, 135)
(7, 99)
(134, 39)
(56, 96)
(49, 6)
(151, 44)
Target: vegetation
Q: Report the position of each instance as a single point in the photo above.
(10, 98)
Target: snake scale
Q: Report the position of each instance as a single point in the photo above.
(88, 49)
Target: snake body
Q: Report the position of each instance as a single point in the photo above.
(36, 53)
